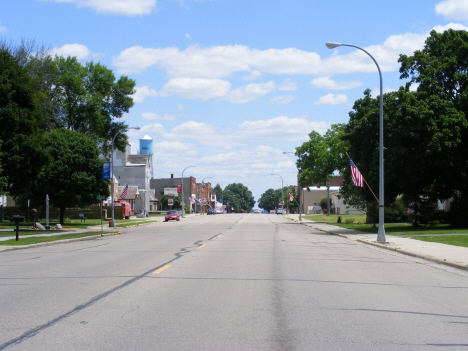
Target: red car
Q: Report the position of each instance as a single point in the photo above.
(172, 215)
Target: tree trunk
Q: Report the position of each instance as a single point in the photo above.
(62, 214)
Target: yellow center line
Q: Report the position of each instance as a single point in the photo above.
(219, 236)
(162, 269)
(202, 246)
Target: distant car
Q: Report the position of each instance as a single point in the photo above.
(265, 211)
(257, 211)
(279, 211)
(272, 211)
(172, 215)
(210, 211)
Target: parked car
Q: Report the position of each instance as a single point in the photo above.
(172, 215)
(210, 211)
(279, 211)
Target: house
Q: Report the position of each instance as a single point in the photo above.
(312, 195)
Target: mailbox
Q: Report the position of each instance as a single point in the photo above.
(18, 219)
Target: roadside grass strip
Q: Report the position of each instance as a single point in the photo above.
(455, 240)
(43, 239)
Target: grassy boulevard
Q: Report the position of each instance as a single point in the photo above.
(67, 232)
(447, 233)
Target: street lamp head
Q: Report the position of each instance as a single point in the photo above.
(332, 45)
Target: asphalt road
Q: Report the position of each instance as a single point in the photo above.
(228, 282)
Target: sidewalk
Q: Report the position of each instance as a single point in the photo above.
(454, 256)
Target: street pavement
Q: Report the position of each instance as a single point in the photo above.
(454, 256)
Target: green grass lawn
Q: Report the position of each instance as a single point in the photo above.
(457, 240)
(43, 239)
(390, 228)
(76, 223)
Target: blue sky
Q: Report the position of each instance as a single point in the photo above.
(228, 85)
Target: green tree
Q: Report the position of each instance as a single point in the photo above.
(420, 137)
(239, 197)
(441, 71)
(177, 202)
(91, 99)
(74, 177)
(321, 156)
(269, 200)
(21, 135)
(218, 191)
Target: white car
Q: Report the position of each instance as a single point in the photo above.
(279, 211)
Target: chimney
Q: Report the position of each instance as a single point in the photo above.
(172, 176)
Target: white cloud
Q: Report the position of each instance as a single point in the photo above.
(288, 85)
(327, 83)
(332, 99)
(250, 92)
(3, 29)
(453, 9)
(188, 36)
(454, 26)
(255, 74)
(116, 7)
(217, 61)
(151, 116)
(79, 51)
(283, 99)
(191, 88)
(280, 128)
(376, 91)
(142, 93)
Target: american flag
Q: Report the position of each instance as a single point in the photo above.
(356, 175)
(124, 193)
(204, 201)
(191, 199)
(291, 198)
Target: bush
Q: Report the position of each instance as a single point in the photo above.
(396, 212)
(457, 215)
(349, 220)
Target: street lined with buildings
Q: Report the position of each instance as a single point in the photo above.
(232, 282)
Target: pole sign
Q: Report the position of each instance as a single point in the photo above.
(170, 191)
(179, 188)
(106, 170)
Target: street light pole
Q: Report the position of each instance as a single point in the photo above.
(299, 188)
(112, 170)
(183, 203)
(381, 232)
(282, 194)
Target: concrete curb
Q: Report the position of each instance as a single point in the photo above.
(412, 254)
(394, 249)
(56, 242)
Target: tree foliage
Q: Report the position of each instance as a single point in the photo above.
(91, 99)
(239, 197)
(21, 133)
(73, 178)
(321, 156)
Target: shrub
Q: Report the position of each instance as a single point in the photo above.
(349, 220)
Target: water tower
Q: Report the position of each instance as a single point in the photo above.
(146, 148)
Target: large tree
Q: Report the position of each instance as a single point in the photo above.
(91, 100)
(74, 177)
(420, 139)
(441, 71)
(321, 156)
(239, 197)
(21, 154)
